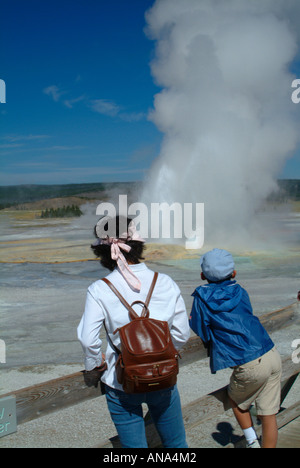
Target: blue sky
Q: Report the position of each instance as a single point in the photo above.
(78, 92)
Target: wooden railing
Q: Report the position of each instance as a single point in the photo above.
(39, 400)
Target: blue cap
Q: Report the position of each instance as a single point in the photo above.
(217, 265)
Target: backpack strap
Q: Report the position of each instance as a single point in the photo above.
(147, 301)
(124, 302)
(128, 307)
(111, 343)
(133, 315)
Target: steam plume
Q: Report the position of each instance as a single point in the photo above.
(225, 107)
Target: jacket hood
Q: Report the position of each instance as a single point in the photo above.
(220, 297)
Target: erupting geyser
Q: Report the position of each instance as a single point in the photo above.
(225, 106)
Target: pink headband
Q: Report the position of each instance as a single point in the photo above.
(116, 245)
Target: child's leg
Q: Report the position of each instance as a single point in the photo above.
(269, 431)
(243, 417)
(245, 421)
(268, 401)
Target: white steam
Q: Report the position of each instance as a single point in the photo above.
(225, 107)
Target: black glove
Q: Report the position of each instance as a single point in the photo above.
(91, 378)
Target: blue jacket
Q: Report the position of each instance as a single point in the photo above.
(223, 318)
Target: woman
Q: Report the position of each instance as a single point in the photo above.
(122, 255)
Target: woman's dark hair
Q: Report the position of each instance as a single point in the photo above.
(103, 251)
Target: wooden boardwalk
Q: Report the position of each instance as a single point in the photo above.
(289, 435)
(203, 413)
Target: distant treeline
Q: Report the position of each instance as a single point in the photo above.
(289, 189)
(17, 194)
(64, 212)
(5, 205)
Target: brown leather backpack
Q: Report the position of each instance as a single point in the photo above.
(148, 360)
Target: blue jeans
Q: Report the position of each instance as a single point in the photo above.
(165, 409)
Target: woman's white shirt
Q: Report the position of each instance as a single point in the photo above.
(103, 305)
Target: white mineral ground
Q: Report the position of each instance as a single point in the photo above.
(46, 267)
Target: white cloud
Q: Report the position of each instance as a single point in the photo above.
(70, 102)
(101, 106)
(105, 107)
(13, 138)
(133, 116)
(111, 109)
(10, 145)
(54, 91)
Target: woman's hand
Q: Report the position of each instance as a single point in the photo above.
(91, 378)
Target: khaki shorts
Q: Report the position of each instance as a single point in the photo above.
(258, 381)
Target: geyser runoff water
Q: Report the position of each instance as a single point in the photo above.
(225, 107)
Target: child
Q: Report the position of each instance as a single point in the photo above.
(223, 318)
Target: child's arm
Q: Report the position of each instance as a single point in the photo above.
(199, 322)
